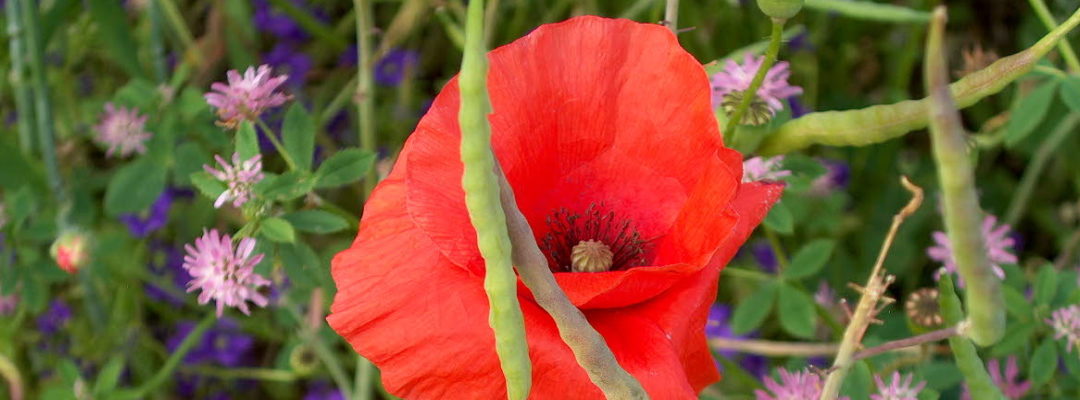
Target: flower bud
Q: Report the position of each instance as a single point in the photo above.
(70, 251)
(780, 9)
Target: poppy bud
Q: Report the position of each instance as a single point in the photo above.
(780, 9)
(69, 251)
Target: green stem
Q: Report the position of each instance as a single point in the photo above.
(1052, 144)
(157, 40)
(43, 108)
(24, 106)
(777, 247)
(277, 144)
(172, 362)
(879, 123)
(365, 85)
(261, 374)
(671, 15)
(963, 217)
(10, 372)
(362, 381)
(176, 19)
(482, 201)
(751, 92)
(310, 337)
(870, 11)
(1064, 46)
(967, 357)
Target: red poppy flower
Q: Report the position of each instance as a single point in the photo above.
(605, 131)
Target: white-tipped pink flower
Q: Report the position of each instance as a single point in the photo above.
(1066, 324)
(998, 249)
(246, 96)
(802, 385)
(240, 176)
(223, 273)
(736, 77)
(122, 131)
(899, 388)
(763, 168)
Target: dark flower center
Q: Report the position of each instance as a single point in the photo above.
(592, 241)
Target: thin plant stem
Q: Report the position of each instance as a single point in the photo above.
(166, 371)
(270, 134)
(963, 217)
(775, 40)
(362, 380)
(310, 336)
(1066, 49)
(777, 248)
(365, 85)
(42, 106)
(773, 348)
(872, 294)
(940, 334)
(1034, 169)
(176, 20)
(589, 347)
(261, 374)
(671, 15)
(24, 106)
(10, 373)
(157, 40)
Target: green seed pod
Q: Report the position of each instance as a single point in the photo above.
(780, 9)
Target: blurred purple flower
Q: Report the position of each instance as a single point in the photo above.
(323, 391)
(155, 218)
(122, 131)
(392, 68)
(764, 169)
(836, 176)
(282, 26)
(998, 250)
(798, 109)
(223, 273)
(55, 317)
(1010, 387)
(224, 344)
(718, 326)
(736, 77)
(172, 266)
(898, 388)
(8, 303)
(764, 255)
(294, 63)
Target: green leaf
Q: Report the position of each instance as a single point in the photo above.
(278, 230)
(247, 141)
(1070, 92)
(298, 134)
(207, 185)
(1015, 339)
(1016, 304)
(810, 258)
(287, 186)
(134, 187)
(138, 93)
(797, 314)
(190, 159)
(300, 263)
(870, 11)
(344, 167)
(1028, 112)
(857, 385)
(780, 219)
(109, 376)
(1046, 284)
(111, 19)
(316, 221)
(941, 375)
(751, 312)
(1043, 363)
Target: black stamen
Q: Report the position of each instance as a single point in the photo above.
(568, 229)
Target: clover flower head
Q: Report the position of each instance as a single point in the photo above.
(122, 131)
(1066, 324)
(998, 249)
(736, 77)
(764, 169)
(898, 388)
(225, 274)
(240, 176)
(246, 96)
(802, 385)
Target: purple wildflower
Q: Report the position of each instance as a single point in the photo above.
(1066, 324)
(285, 57)
(837, 174)
(246, 96)
(1008, 384)
(899, 388)
(54, 318)
(239, 176)
(223, 344)
(122, 131)
(392, 68)
(825, 295)
(156, 217)
(717, 326)
(8, 303)
(998, 249)
(802, 385)
(736, 78)
(171, 266)
(763, 168)
(223, 273)
(764, 255)
(322, 391)
(266, 20)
